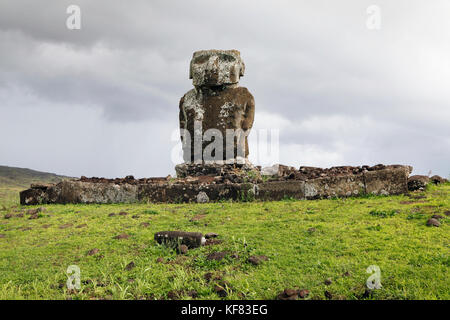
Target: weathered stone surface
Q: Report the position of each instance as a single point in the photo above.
(202, 197)
(390, 181)
(437, 179)
(227, 171)
(433, 222)
(278, 190)
(80, 192)
(417, 182)
(215, 106)
(337, 186)
(279, 170)
(233, 185)
(177, 193)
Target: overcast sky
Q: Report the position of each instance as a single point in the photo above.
(103, 100)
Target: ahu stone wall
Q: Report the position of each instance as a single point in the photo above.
(303, 184)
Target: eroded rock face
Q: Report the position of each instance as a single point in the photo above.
(217, 115)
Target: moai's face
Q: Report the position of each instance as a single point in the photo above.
(216, 67)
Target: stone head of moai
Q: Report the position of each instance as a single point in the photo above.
(217, 114)
(216, 67)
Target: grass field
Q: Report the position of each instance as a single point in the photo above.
(306, 242)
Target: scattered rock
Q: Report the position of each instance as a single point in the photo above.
(65, 226)
(433, 222)
(216, 255)
(130, 266)
(93, 251)
(34, 216)
(346, 274)
(221, 289)
(136, 216)
(417, 182)
(437, 179)
(35, 211)
(192, 294)
(328, 281)
(303, 293)
(288, 294)
(208, 276)
(145, 224)
(210, 242)
(312, 230)
(82, 225)
(122, 236)
(198, 217)
(159, 260)
(9, 216)
(111, 214)
(174, 294)
(19, 215)
(202, 197)
(123, 213)
(293, 294)
(2, 235)
(256, 260)
(437, 216)
(211, 235)
(183, 249)
(328, 295)
(26, 228)
(45, 226)
(447, 213)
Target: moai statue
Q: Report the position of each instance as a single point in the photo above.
(217, 115)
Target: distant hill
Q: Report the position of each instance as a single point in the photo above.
(20, 177)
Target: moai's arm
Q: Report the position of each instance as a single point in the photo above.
(249, 113)
(182, 117)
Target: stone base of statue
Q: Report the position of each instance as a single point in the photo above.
(241, 170)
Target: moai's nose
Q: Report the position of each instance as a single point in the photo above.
(212, 71)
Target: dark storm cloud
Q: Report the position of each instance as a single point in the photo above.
(340, 93)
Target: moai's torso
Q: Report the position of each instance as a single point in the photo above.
(217, 102)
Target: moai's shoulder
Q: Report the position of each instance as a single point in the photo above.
(188, 96)
(243, 94)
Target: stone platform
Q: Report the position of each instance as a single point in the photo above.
(283, 182)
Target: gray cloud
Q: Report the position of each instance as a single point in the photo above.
(103, 100)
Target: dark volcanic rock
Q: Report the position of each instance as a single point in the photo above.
(183, 249)
(433, 222)
(417, 182)
(216, 256)
(256, 260)
(93, 251)
(122, 236)
(130, 266)
(437, 179)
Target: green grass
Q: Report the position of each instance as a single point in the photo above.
(306, 242)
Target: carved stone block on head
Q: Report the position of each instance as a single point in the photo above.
(216, 67)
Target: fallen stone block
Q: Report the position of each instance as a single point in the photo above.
(389, 181)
